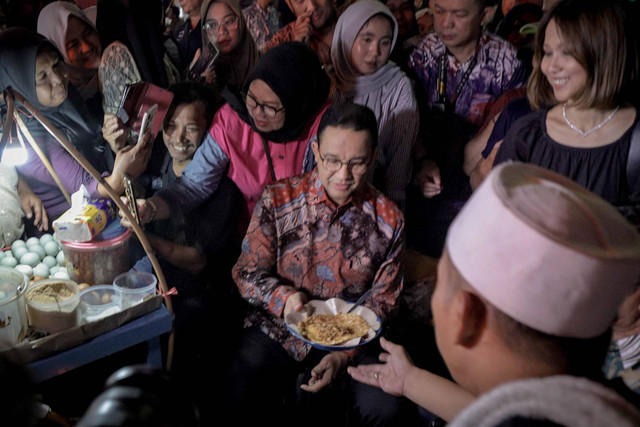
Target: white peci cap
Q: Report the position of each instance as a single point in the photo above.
(545, 251)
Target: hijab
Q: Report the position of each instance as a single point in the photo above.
(53, 22)
(18, 51)
(292, 71)
(232, 68)
(346, 76)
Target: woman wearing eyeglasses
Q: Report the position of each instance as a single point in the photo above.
(224, 31)
(259, 136)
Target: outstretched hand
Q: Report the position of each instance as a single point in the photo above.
(389, 376)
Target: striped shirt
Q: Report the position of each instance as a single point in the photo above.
(398, 121)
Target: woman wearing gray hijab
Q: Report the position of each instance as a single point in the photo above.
(363, 40)
(31, 65)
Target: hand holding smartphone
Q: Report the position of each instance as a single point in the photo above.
(147, 121)
(131, 198)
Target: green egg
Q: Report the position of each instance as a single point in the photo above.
(3, 254)
(60, 258)
(9, 261)
(53, 270)
(17, 244)
(50, 261)
(25, 269)
(33, 241)
(38, 250)
(41, 270)
(45, 238)
(51, 248)
(30, 258)
(19, 251)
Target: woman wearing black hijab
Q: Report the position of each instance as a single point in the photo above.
(260, 135)
(32, 66)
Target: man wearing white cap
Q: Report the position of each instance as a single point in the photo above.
(532, 276)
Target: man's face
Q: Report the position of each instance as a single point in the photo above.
(319, 11)
(184, 131)
(458, 22)
(190, 6)
(403, 12)
(353, 149)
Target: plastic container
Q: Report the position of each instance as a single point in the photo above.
(100, 260)
(13, 314)
(134, 287)
(53, 305)
(98, 302)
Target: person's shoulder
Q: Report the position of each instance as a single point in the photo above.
(285, 190)
(498, 47)
(429, 43)
(388, 214)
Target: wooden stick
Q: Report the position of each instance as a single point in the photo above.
(43, 157)
(116, 198)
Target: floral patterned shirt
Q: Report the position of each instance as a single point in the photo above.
(262, 24)
(496, 71)
(299, 240)
(322, 49)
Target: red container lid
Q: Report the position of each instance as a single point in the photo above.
(97, 244)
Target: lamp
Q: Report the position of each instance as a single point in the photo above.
(10, 97)
(10, 153)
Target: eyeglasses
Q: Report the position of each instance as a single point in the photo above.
(267, 110)
(229, 23)
(334, 165)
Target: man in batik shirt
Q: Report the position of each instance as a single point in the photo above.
(314, 25)
(325, 234)
(263, 21)
(459, 39)
(459, 70)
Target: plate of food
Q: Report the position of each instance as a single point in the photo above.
(326, 325)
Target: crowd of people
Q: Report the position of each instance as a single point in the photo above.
(305, 152)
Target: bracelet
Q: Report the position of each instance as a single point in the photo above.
(154, 210)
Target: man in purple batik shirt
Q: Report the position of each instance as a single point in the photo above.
(460, 40)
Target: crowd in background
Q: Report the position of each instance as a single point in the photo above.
(312, 145)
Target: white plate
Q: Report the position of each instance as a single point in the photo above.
(334, 306)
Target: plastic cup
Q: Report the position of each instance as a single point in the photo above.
(134, 287)
(98, 302)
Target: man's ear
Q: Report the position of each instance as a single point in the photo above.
(316, 150)
(487, 14)
(472, 318)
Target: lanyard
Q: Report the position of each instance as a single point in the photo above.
(441, 82)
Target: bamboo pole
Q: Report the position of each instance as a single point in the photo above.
(43, 157)
(116, 198)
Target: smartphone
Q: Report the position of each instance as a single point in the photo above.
(147, 121)
(128, 191)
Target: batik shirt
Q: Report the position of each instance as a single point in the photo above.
(497, 70)
(322, 49)
(299, 240)
(262, 25)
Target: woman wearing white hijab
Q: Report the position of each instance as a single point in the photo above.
(76, 37)
(363, 40)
